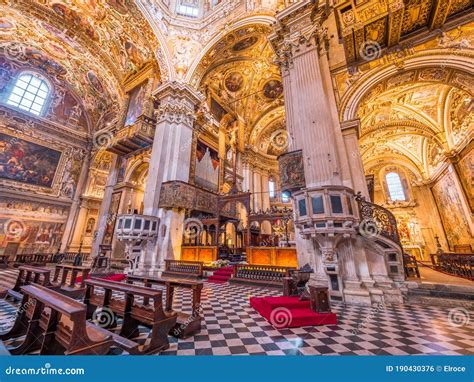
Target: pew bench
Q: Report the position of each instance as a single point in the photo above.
(26, 276)
(184, 269)
(64, 280)
(186, 324)
(55, 324)
(134, 313)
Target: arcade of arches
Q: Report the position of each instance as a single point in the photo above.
(276, 132)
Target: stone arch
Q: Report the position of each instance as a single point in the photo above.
(192, 75)
(461, 62)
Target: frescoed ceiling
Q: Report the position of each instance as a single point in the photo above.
(383, 23)
(94, 45)
(239, 73)
(418, 121)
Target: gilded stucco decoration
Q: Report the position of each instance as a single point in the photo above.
(94, 45)
(239, 73)
(422, 122)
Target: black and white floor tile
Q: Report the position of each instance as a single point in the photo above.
(232, 327)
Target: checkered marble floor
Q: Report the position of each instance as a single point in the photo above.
(232, 327)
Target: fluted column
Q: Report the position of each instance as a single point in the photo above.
(257, 189)
(170, 160)
(74, 212)
(265, 192)
(350, 133)
(309, 112)
(79, 228)
(105, 206)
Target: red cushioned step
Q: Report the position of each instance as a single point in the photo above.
(221, 275)
(289, 312)
(287, 302)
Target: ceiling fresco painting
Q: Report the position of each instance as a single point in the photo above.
(92, 45)
(239, 72)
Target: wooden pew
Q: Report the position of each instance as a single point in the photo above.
(4, 261)
(133, 313)
(185, 269)
(55, 324)
(26, 276)
(67, 285)
(186, 324)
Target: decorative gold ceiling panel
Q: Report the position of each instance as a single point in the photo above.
(367, 27)
(419, 117)
(239, 73)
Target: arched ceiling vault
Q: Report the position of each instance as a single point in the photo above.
(92, 45)
(418, 122)
(239, 74)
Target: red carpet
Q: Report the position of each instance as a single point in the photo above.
(290, 312)
(115, 277)
(221, 276)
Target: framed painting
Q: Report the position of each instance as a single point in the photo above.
(27, 162)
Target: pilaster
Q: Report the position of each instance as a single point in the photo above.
(170, 160)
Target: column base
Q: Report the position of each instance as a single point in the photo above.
(357, 296)
(148, 269)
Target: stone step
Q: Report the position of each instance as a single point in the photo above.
(441, 294)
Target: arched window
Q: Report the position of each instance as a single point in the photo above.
(395, 187)
(30, 93)
(271, 188)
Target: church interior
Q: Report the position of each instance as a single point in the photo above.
(229, 177)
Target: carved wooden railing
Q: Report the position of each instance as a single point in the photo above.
(372, 214)
(182, 268)
(410, 266)
(72, 258)
(457, 264)
(260, 274)
(32, 259)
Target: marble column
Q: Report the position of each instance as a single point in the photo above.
(350, 133)
(331, 158)
(170, 160)
(105, 206)
(79, 227)
(265, 192)
(309, 114)
(72, 224)
(257, 189)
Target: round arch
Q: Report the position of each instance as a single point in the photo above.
(192, 76)
(462, 62)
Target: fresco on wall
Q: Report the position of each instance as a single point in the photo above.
(452, 215)
(27, 162)
(466, 175)
(31, 235)
(207, 167)
(135, 107)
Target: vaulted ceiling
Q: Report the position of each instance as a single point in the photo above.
(370, 25)
(418, 118)
(239, 73)
(92, 45)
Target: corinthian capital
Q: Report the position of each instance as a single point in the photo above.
(177, 102)
(299, 29)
